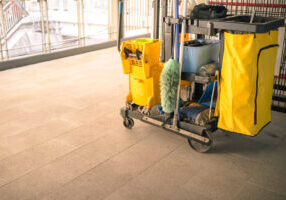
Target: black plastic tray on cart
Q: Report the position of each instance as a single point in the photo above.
(242, 23)
(237, 23)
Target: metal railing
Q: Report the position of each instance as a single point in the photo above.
(136, 19)
(273, 8)
(268, 8)
(136, 14)
(12, 12)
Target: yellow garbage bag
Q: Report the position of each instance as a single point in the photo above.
(246, 83)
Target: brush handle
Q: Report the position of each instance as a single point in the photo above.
(177, 110)
(177, 52)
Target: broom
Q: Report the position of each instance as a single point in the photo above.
(170, 75)
(169, 85)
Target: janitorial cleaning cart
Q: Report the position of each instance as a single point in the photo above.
(203, 84)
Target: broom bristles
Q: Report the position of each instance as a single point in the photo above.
(169, 85)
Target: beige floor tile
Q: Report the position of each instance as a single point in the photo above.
(22, 163)
(51, 177)
(27, 139)
(253, 192)
(104, 179)
(61, 137)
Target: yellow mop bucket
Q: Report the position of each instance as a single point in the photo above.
(144, 69)
(246, 84)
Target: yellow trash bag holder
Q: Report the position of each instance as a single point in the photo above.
(246, 83)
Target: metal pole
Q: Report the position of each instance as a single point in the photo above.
(164, 6)
(4, 30)
(173, 15)
(48, 25)
(120, 24)
(1, 50)
(177, 55)
(133, 11)
(137, 14)
(43, 26)
(83, 28)
(109, 3)
(212, 99)
(156, 6)
(147, 13)
(126, 18)
(176, 114)
(79, 22)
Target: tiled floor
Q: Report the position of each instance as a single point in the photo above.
(61, 137)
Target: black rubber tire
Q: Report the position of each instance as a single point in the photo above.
(199, 147)
(128, 123)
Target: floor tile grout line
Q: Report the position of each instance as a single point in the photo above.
(77, 109)
(35, 112)
(36, 145)
(53, 160)
(98, 165)
(14, 135)
(64, 133)
(261, 187)
(35, 126)
(143, 171)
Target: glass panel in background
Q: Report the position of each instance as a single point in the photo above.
(137, 17)
(15, 30)
(36, 27)
(29, 35)
(63, 24)
(96, 21)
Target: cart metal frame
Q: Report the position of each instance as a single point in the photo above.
(199, 137)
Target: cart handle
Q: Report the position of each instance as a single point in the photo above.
(128, 53)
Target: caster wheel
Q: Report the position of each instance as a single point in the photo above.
(128, 123)
(202, 148)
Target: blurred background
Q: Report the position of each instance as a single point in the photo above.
(31, 27)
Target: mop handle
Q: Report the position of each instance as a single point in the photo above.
(176, 115)
(120, 25)
(177, 51)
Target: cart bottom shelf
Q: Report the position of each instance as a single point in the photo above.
(200, 138)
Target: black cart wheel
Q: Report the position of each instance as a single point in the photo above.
(128, 122)
(199, 147)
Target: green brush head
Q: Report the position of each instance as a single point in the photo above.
(169, 85)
